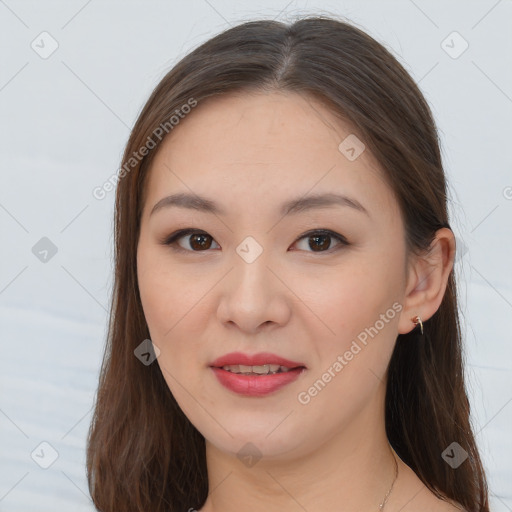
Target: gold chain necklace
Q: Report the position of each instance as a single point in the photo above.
(381, 506)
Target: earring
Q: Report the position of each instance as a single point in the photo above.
(417, 320)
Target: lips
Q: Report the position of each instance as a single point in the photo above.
(260, 359)
(254, 381)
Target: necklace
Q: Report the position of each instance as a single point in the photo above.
(381, 506)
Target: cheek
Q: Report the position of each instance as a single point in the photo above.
(173, 308)
(343, 299)
(155, 294)
(160, 286)
(356, 303)
(162, 294)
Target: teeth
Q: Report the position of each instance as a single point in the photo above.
(251, 369)
(265, 369)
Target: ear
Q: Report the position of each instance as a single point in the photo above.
(427, 279)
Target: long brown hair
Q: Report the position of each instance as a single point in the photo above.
(142, 452)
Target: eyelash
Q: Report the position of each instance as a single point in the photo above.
(172, 239)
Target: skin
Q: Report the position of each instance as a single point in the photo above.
(302, 301)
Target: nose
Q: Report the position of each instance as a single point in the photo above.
(254, 296)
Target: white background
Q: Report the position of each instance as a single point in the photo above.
(64, 121)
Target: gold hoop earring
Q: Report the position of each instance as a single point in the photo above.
(417, 320)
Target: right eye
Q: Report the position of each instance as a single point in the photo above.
(198, 240)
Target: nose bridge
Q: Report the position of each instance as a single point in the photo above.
(252, 294)
(251, 275)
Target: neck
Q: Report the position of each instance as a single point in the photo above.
(353, 470)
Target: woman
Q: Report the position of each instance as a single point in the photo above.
(284, 331)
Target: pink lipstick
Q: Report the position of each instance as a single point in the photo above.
(255, 375)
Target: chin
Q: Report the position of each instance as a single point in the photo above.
(255, 440)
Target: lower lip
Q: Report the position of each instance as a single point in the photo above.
(252, 385)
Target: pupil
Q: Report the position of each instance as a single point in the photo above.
(320, 237)
(202, 244)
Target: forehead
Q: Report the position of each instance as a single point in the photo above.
(263, 148)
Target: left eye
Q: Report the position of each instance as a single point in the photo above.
(200, 241)
(321, 240)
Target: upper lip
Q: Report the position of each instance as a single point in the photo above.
(259, 359)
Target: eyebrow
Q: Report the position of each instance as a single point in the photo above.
(293, 206)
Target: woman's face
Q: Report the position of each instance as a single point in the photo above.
(261, 278)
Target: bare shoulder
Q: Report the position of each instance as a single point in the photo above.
(425, 500)
(446, 505)
(443, 505)
(414, 496)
